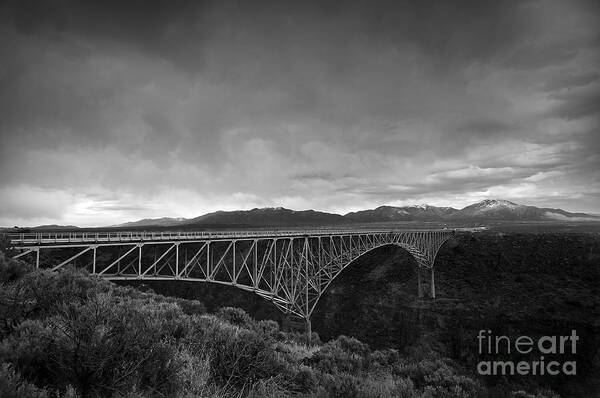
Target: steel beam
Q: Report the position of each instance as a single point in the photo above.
(292, 269)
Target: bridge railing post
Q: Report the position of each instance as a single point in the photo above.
(177, 260)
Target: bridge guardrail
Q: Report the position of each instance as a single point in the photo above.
(92, 237)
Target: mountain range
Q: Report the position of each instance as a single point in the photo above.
(486, 210)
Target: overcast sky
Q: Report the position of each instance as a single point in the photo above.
(112, 112)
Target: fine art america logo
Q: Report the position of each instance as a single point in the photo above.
(491, 345)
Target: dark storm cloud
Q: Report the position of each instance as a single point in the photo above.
(140, 22)
(535, 56)
(575, 105)
(154, 24)
(131, 107)
(571, 81)
(483, 130)
(453, 181)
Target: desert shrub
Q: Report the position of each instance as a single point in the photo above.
(315, 339)
(353, 345)
(345, 354)
(238, 357)
(15, 307)
(521, 394)
(447, 383)
(12, 270)
(203, 329)
(191, 307)
(417, 371)
(305, 379)
(241, 358)
(6, 246)
(159, 369)
(27, 349)
(300, 338)
(40, 293)
(235, 316)
(438, 379)
(293, 352)
(404, 388)
(340, 385)
(103, 346)
(384, 358)
(161, 319)
(268, 388)
(194, 373)
(386, 386)
(452, 391)
(268, 328)
(12, 386)
(370, 386)
(539, 394)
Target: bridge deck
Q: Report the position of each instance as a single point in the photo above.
(291, 268)
(50, 238)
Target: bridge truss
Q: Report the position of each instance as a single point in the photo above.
(292, 269)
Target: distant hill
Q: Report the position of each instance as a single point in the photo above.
(486, 210)
(406, 213)
(263, 217)
(54, 227)
(270, 216)
(39, 228)
(158, 222)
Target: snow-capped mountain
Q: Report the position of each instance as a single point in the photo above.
(493, 209)
(498, 209)
(489, 209)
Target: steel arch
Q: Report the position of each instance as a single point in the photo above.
(290, 268)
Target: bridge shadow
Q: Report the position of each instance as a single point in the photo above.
(374, 299)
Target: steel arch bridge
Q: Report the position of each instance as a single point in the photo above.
(292, 269)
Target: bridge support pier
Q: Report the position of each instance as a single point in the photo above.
(419, 284)
(308, 330)
(432, 283)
